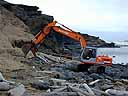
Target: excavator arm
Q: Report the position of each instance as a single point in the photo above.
(39, 38)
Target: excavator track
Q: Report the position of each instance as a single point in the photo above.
(91, 68)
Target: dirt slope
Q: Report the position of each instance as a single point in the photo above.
(11, 28)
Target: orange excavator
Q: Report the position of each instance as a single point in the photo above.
(88, 56)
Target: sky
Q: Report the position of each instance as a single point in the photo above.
(107, 19)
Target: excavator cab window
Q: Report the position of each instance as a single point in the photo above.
(89, 53)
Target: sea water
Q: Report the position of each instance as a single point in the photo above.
(119, 55)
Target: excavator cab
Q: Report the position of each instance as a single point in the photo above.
(90, 60)
(89, 56)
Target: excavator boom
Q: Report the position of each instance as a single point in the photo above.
(39, 38)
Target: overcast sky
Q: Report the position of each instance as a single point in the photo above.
(107, 19)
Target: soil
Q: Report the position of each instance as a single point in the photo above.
(11, 28)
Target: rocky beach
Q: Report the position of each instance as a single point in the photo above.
(51, 73)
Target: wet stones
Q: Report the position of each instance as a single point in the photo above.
(40, 85)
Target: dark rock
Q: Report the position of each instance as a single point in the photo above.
(69, 75)
(40, 85)
(106, 86)
(124, 75)
(117, 71)
(57, 69)
(113, 72)
(70, 66)
(30, 15)
(107, 77)
(96, 76)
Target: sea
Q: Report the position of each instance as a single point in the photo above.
(119, 55)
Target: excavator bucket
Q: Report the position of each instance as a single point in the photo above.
(26, 48)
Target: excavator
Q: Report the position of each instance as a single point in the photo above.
(88, 55)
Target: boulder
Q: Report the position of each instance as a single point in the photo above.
(40, 85)
(96, 76)
(4, 86)
(17, 91)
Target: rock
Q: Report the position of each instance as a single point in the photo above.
(113, 72)
(30, 15)
(57, 69)
(117, 71)
(27, 94)
(107, 77)
(124, 74)
(106, 86)
(4, 86)
(1, 77)
(117, 92)
(17, 91)
(60, 94)
(71, 66)
(40, 85)
(57, 82)
(69, 75)
(96, 76)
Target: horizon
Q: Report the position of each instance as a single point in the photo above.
(106, 19)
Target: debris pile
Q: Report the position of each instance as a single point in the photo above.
(51, 76)
(60, 78)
